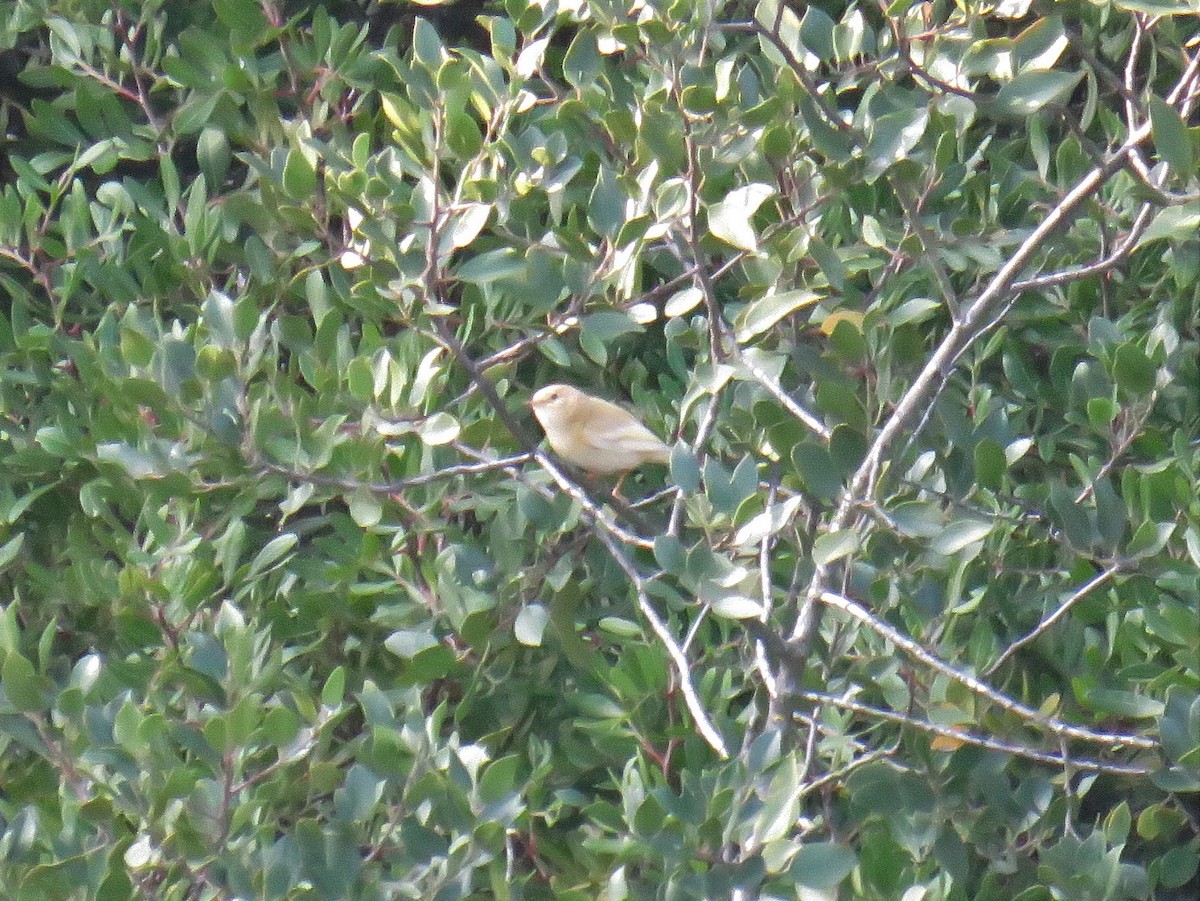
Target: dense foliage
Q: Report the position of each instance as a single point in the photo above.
(292, 603)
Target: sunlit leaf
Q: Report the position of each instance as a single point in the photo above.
(730, 220)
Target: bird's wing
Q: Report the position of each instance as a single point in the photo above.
(626, 433)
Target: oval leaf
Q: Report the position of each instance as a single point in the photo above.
(530, 624)
(765, 312)
(958, 534)
(833, 546)
(736, 606)
(729, 220)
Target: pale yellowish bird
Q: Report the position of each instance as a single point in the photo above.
(593, 434)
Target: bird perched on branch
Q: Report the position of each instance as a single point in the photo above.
(593, 434)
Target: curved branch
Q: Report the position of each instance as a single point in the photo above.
(914, 650)
(1083, 591)
(971, 738)
(976, 319)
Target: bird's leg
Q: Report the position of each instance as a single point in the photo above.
(616, 492)
(621, 505)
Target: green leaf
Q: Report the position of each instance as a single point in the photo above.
(243, 18)
(736, 606)
(766, 312)
(1074, 521)
(1175, 222)
(959, 534)
(440, 428)
(683, 302)
(1171, 137)
(620, 627)
(1040, 45)
(360, 379)
(1124, 703)
(274, 550)
(833, 546)
(769, 522)
(822, 866)
(730, 220)
(1159, 7)
(215, 364)
(1178, 867)
(1149, 539)
(213, 154)
(1039, 145)
(1101, 412)
(830, 262)
(492, 266)
(821, 475)
(299, 176)
(466, 224)
(1029, 91)
(529, 60)
(835, 144)
(10, 549)
(427, 46)
(582, 62)
(531, 624)
(365, 508)
(816, 33)
(726, 491)
(407, 643)
(601, 329)
(685, 469)
(500, 778)
(21, 683)
(1133, 370)
(333, 692)
(138, 463)
(670, 553)
(137, 349)
(892, 137)
(606, 206)
(989, 463)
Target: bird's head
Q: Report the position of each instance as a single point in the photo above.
(552, 399)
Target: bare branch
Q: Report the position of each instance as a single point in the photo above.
(975, 320)
(1131, 428)
(397, 485)
(762, 661)
(1016, 708)
(1077, 596)
(682, 668)
(772, 37)
(976, 316)
(970, 738)
(777, 391)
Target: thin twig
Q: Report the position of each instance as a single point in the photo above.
(969, 738)
(977, 317)
(776, 390)
(1077, 596)
(716, 335)
(707, 422)
(910, 647)
(1132, 428)
(797, 68)
(682, 668)
(395, 486)
(762, 661)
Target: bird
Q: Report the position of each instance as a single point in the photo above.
(593, 434)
